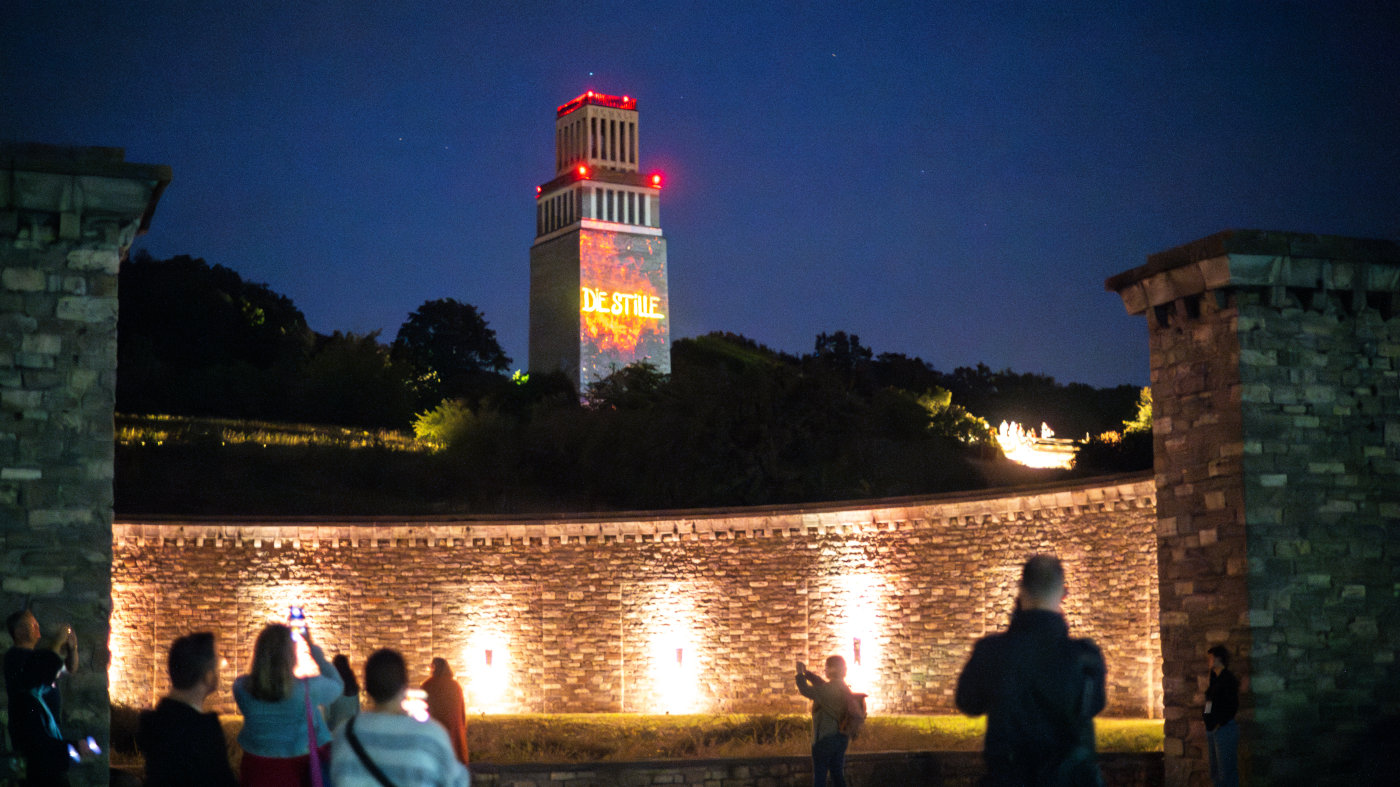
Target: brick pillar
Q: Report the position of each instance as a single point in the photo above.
(1276, 385)
(67, 215)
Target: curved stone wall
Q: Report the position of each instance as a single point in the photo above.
(659, 612)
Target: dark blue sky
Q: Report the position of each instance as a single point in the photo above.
(952, 180)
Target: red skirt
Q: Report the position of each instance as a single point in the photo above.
(281, 771)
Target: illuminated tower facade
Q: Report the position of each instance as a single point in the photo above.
(598, 297)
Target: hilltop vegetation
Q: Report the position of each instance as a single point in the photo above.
(734, 423)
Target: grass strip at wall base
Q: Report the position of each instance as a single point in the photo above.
(609, 737)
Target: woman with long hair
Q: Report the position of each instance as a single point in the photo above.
(347, 704)
(276, 750)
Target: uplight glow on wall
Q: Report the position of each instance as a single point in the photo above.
(623, 304)
(860, 631)
(488, 672)
(127, 624)
(670, 663)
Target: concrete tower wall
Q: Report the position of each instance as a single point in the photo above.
(554, 306)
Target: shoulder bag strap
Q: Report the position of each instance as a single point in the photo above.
(363, 755)
(313, 752)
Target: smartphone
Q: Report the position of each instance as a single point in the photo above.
(415, 704)
(801, 667)
(296, 618)
(90, 744)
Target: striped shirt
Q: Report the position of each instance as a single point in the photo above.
(411, 753)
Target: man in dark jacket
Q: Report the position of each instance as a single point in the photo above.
(32, 669)
(184, 746)
(1039, 689)
(1222, 733)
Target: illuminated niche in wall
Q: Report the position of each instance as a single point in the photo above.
(859, 628)
(623, 306)
(487, 658)
(670, 659)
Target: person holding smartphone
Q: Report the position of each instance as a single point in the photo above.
(829, 702)
(32, 669)
(276, 749)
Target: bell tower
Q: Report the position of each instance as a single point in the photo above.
(598, 294)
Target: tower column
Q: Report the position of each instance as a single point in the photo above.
(67, 217)
(1275, 362)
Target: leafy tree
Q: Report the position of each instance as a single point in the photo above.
(842, 355)
(351, 379)
(950, 420)
(528, 395)
(1030, 399)
(452, 351)
(197, 339)
(632, 387)
(1121, 451)
(911, 374)
(446, 423)
(1142, 421)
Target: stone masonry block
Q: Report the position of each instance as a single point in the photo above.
(33, 586)
(21, 474)
(23, 279)
(21, 400)
(26, 360)
(87, 309)
(43, 343)
(105, 260)
(58, 517)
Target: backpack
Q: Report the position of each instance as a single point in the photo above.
(853, 717)
(1079, 766)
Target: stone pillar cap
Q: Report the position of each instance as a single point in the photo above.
(100, 162)
(1248, 257)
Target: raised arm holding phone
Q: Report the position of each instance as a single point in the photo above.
(32, 668)
(829, 703)
(275, 741)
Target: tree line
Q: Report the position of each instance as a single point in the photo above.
(196, 339)
(734, 423)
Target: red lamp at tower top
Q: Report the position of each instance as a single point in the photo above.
(600, 99)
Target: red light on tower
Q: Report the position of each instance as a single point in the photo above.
(582, 171)
(656, 181)
(538, 191)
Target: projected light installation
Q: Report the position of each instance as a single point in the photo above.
(598, 296)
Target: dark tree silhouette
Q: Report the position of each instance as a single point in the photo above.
(351, 380)
(452, 351)
(197, 339)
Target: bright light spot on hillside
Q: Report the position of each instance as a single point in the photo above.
(1025, 447)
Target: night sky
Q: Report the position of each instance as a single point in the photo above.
(952, 180)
